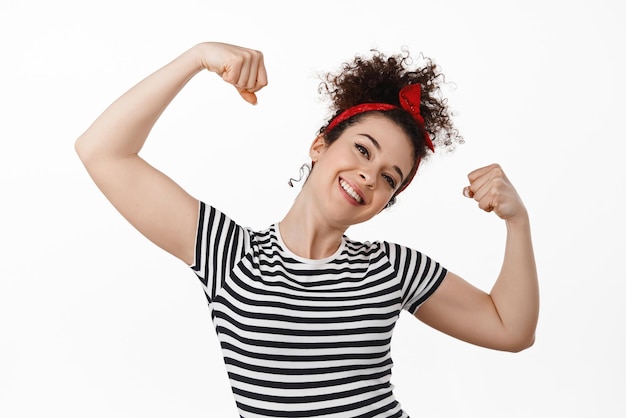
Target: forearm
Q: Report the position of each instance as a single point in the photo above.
(516, 291)
(122, 129)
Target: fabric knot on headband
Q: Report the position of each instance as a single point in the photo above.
(410, 98)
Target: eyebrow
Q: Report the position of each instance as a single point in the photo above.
(377, 146)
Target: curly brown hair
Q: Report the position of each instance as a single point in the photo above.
(379, 78)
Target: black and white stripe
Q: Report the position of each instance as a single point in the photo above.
(308, 338)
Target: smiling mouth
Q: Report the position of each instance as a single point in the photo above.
(350, 191)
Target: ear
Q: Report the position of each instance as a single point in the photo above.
(317, 148)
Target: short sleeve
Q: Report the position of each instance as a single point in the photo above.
(420, 275)
(220, 244)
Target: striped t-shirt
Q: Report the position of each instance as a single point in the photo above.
(307, 338)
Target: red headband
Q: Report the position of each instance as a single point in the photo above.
(410, 97)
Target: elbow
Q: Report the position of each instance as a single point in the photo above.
(85, 150)
(79, 148)
(520, 344)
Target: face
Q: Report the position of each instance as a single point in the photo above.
(356, 176)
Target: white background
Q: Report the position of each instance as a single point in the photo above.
(95, 321)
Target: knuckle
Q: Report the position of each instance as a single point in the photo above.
(495, 191)
(497, 182)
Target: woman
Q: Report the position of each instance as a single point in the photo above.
(303, 313)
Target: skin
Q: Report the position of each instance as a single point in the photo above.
(371, 156)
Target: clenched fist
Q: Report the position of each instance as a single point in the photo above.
(493, 191)
(242, 67)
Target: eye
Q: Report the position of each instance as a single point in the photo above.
(390, 180)
(362, 150)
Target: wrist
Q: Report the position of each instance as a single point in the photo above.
(195, 55)
(518, 221)
(203, 53)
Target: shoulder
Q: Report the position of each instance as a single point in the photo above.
(215, 228)
(388, 248)
(405, 260)
(379, 250)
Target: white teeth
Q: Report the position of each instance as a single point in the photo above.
(350, 191)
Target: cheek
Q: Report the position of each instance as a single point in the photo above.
(381, 200)
(339, 159)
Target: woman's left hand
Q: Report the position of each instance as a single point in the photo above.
(493, 191)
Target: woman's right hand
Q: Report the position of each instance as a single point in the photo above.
(242, 67)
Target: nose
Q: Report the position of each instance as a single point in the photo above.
(368, 177)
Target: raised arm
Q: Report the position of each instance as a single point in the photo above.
(506, 318)
(153, 203)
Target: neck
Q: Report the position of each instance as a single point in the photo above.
(307, 234)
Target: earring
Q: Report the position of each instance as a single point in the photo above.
(305, 170)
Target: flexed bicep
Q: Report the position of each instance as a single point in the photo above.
(151, 202)
(461, 310)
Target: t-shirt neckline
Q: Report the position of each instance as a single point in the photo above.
(305, 260)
